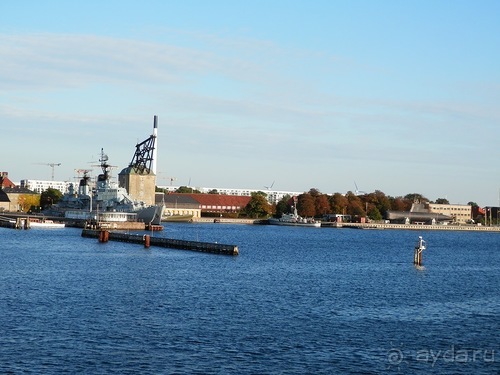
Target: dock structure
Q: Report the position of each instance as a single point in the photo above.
(15, 223)
(119, 225)
(146, 240)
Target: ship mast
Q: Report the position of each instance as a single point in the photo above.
(104, 166)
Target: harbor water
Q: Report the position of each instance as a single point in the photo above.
(294, 301)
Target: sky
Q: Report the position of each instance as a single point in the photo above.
(397, 96)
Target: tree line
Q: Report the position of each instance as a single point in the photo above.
(309, 204)
(372, 205)
(316, 204)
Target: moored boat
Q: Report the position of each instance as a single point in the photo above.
(45, 224)
(295, 220)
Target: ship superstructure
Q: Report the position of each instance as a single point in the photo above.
(132, 195)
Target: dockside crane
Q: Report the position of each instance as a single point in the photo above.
(52, 165)
(160, 176)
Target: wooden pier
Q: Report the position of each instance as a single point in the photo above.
(147, 240)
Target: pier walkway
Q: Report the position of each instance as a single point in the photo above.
(205, 247)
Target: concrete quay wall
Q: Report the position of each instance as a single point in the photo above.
(465, 228)
(326, 224)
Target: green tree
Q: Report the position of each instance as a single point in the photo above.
(374, 213)
(213, 191)
(283, 206)
(442, 201)
(379, 200)
(314, 192)
(258, 206)
(187, 190)
(49, 197)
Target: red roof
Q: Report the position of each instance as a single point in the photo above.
(5, 182)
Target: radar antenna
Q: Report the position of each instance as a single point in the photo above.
(106, 168)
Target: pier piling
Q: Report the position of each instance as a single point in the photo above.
(103, 236)
(419, 248)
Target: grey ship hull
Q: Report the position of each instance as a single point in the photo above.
(150, 215)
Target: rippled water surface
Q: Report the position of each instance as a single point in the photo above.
(295, 301)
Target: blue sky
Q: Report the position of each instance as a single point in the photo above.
(399, 96)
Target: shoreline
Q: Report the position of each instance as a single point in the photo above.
(324, 224)
(375, 226)
(366, 226)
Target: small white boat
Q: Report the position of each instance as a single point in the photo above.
(45, 224)
(295, 220)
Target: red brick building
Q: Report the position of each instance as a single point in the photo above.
(213, 203)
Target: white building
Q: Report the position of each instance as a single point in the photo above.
(273, 196)
(40, 186)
